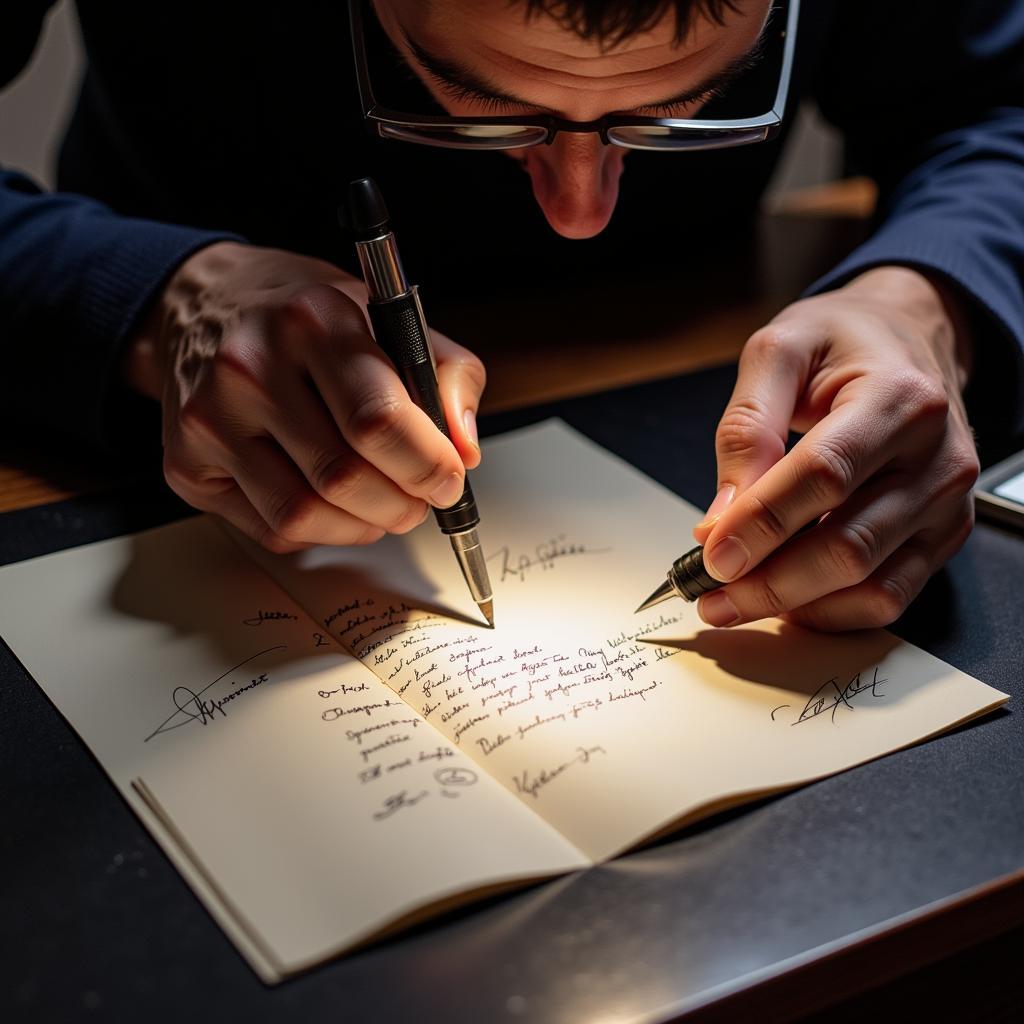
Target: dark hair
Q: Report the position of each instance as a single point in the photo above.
(612, 21)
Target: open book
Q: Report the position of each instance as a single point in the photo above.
(331, 745)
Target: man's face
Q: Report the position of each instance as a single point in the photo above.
(481, 57)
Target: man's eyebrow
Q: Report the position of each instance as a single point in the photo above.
(453, 75)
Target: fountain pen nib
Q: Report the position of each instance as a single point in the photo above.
(487, 607)
(663, 593)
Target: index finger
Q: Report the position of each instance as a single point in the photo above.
(751, 435)
(822, 470)
(371, 407)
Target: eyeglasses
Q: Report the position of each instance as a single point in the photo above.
(629, 131)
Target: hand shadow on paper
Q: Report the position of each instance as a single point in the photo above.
(788, 657)
(327, 580)
(198, 582)
(193, 581)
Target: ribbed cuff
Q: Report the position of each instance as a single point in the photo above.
(129, 264)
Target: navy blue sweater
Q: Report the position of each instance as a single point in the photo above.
(198, 121)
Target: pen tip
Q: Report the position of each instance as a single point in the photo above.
(663, 593)
(487, 607)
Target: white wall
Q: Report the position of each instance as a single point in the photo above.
(35, 107)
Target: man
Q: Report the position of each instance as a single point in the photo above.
(282, 416)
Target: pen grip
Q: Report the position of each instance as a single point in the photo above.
(401, 331)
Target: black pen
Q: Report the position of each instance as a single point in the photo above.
(400, 329)
(687, 578)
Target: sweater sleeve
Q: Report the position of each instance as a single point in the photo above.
(74, 280)
(937, 118)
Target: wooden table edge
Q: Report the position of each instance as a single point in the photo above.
(826, 975)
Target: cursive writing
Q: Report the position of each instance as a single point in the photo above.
(531, 785)
(261, 616)
(544, 556)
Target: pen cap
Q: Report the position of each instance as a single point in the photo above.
(367, 214)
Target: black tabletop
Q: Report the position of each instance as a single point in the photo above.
(97, 923)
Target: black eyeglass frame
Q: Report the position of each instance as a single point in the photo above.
(693, 134)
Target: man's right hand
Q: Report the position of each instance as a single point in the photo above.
(281, 414)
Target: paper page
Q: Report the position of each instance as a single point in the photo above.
(305, 804)
(569, 702)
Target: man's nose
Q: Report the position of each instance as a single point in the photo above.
(576, 182)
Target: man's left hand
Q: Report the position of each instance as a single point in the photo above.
(871, 376)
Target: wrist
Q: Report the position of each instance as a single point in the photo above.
(143, 360)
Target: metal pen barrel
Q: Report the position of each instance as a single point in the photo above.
(400, 328)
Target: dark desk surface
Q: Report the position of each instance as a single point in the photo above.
(788, 904)
(774, 910)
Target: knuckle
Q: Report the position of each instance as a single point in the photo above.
(816, 615)
(767, 520)
(291, 515)
(182, 479)
(888, 598)
(829, 473)
(767, 597)
(855, 551)
(473, 370)
(308, 302)
(368, 535)
(241, 367)
(273, 542)
(923, 397)
(769, 342)
(377, 423)
(742, 428)
(963, 469)
(314, 310)
(236, 361)
(198, 423)
(338, 476)
(437, 469)
(408, 519)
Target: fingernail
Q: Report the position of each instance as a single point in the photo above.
(469, 422)
(723, 499)
(727, 559)
(717, 610)
(448, 493)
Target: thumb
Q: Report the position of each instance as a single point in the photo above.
(752, 432)
(460, 380)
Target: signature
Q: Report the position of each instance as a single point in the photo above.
(396, 803)
(532, 786)
(544, 555)
(261, 616)
(829, 697)
(189, 706)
